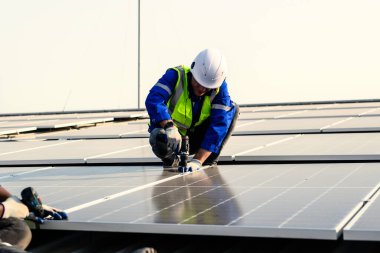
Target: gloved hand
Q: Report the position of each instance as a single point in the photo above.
(13, 207)
(174, 138)
(194, 165)
(52, 213)
(49, 213)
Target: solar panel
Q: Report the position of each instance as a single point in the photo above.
(317, 147)
(114, 130)
(355, 105)
(357, 124)
(285, 126)
(366, 225)
(68, 152)
(317, 106)
(315, 200)
(372, 112)
(15, 130)
(278, 200)
(360, 146)
(352, 112)
(15, 172)
(16, 118)
(105, 151)
(246, 144)
(267, 114)
(13, 147)
(83, 115)
(321, 113)
(124, 115)
(55, 123)
(235, 145)
(284, 108)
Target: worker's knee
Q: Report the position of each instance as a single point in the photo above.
(15, 232)
(25, 236)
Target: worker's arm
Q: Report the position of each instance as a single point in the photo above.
(202, 155)
(164, 122)
(156, 101)
(4, 194)
(198, 159)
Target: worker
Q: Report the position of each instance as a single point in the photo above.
(15, 235)
(195, 102)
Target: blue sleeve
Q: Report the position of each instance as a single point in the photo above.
(220, 120)
(158, 97)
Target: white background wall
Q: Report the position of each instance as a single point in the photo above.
(82, 54)
(67, 55)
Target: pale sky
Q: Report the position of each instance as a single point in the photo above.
(83, 54)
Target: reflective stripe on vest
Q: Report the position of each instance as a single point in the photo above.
(180, 106)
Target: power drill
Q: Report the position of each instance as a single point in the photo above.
(30, 198)
(184, 154)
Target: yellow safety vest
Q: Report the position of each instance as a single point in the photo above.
(180, 106)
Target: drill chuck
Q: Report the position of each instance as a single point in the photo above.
(184, 152)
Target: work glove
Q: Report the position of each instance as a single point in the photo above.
(194, 165)
(13, 207)
(52, 213)
(173, 138)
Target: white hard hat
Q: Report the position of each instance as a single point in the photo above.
(209, 68)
